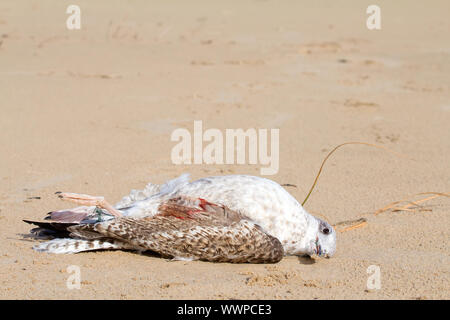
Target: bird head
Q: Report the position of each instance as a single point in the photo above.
(323, 243)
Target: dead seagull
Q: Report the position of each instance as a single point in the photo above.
(234, 218)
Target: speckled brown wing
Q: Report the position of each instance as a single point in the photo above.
(194, 229)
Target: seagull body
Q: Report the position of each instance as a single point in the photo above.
(233, 218)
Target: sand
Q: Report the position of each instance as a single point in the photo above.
(92, 111)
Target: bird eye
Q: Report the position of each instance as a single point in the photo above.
(326, 231)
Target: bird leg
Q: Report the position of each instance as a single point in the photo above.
(87, 200)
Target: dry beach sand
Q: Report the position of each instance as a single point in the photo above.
(92, 111)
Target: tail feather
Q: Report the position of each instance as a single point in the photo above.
(67, 245)
(72, 215)
(57, 222)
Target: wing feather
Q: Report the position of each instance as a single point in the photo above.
(205, 231)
